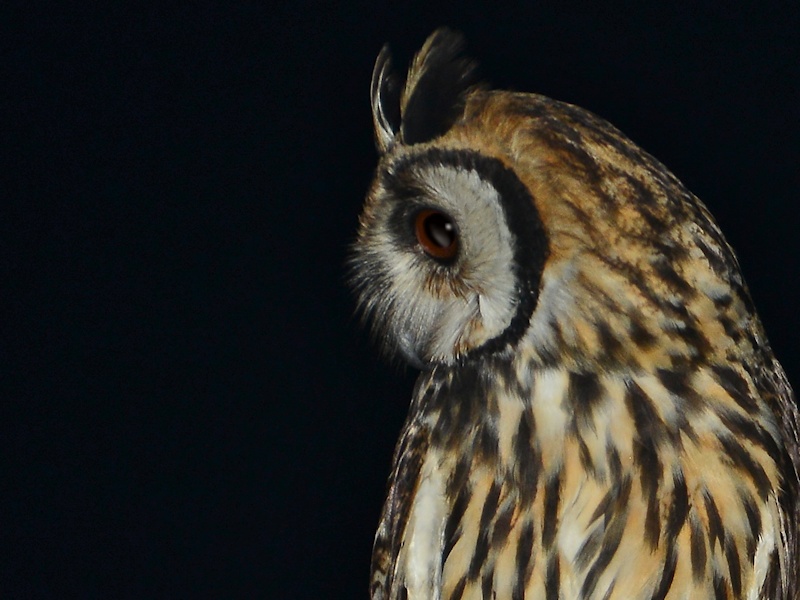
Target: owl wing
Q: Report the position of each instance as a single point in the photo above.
(403, 483)
(785, 581)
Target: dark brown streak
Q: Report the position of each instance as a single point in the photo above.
(486, 582)
(667, 575)
(528, 464)
(585, 392)
(550, 517)
(737, 388)
(524, 564)
(611, 541)
(717, 260)
(645, 447)
(486, 447)
(589, 547)
(742, 459)
(502, 526)
(677, 383)
(754, 524)
(666, 271)
(679, 508)
(613, 349)
(586, 457)
(716, 531)
(635, 276)
(458, 590)
(615, 522)
(452, 528)
(552, 581)
(640, 336)
(753, 432)
(720, 588)
(482, 544)
(698, 546)
(734, 567)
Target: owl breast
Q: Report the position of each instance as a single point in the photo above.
(535, 499)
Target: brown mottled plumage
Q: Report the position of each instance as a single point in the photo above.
(599, 414)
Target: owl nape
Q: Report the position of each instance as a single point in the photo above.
(599, 414)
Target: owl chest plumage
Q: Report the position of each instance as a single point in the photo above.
(508, 490)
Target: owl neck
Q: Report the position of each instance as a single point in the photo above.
(521, 421)
(525, 425)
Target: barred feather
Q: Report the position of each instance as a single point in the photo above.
(600, 415)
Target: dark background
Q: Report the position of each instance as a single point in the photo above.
(188, 407)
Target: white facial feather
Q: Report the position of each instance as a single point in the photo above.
(433, 313)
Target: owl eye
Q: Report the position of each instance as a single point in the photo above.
(436, 233)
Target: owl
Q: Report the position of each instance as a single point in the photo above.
(598, 413)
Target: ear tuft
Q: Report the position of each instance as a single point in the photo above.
(437, 86)
(385, 98)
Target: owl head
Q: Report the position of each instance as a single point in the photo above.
(503, 223)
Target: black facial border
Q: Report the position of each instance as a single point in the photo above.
(530, 244)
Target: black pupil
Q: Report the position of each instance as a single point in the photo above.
(440, 230)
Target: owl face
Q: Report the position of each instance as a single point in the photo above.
(451, 247)
(450, 254)
(505, 223)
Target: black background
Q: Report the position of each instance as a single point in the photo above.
(189, 407)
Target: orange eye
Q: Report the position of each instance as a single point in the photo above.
(436, 233)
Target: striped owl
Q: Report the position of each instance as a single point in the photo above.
(599, 414)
